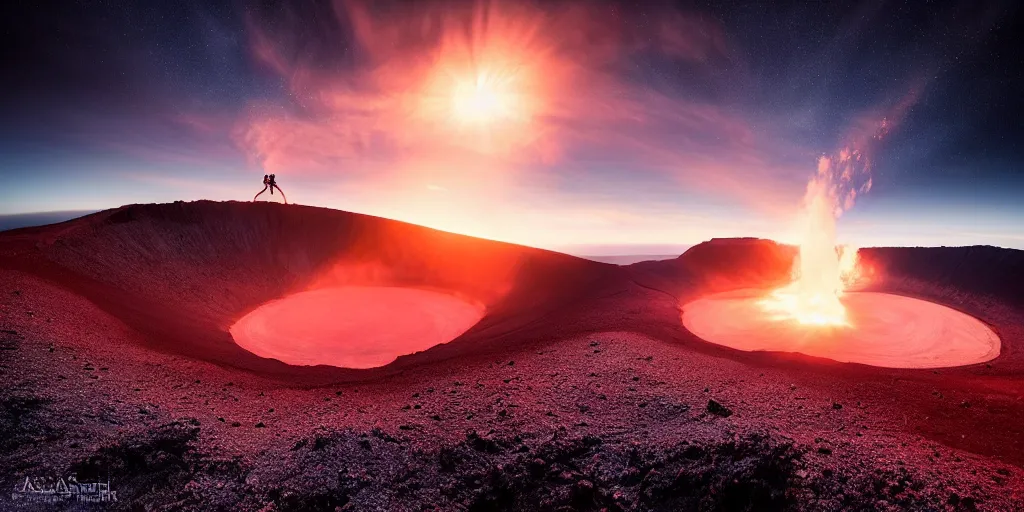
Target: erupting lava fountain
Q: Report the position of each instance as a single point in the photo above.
(817, 315)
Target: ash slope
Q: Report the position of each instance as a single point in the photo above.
(180, 274)
(580, 389)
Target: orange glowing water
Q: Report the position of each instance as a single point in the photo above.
(353, 326)
(890, 331)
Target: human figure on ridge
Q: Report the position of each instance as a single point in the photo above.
(271, 182)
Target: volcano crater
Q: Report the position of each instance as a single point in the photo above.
(885, 330)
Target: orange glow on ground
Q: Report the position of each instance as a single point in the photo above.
(353, 326)
(884, 330)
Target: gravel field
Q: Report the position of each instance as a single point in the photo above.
(578, 390)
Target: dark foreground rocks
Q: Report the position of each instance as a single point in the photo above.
(556, 471)
(163, 468)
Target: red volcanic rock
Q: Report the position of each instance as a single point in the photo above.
(578, 389)
(181, 274)
(722, 264)
(980, 271)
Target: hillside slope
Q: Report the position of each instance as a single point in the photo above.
(182, 273)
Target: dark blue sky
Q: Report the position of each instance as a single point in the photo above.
(644, 123)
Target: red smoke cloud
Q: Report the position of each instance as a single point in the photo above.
(480, 98)
(555, 77)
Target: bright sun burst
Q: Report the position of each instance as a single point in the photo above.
(482, 101)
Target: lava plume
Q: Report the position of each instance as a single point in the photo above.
(821, 271)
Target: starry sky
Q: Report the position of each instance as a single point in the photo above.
(559, 124)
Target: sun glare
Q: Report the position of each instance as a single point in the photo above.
(482, 101)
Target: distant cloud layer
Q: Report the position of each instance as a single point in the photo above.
(565, 77)
(540, 122)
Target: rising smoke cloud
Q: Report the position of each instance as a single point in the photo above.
(822, 272)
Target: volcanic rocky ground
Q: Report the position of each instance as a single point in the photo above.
(578, 390)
